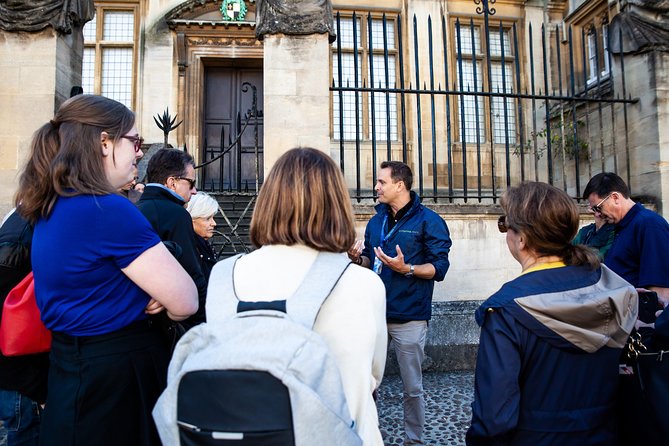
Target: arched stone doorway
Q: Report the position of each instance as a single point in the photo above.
(216, 59)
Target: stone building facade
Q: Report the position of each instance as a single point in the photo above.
(205, 65)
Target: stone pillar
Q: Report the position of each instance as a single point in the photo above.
(37, 71)
(648, 130)
(296, 94)
(662, 79)
(296, 74)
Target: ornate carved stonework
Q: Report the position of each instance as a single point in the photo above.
(644, 26)
(294, 17)
(35, 15)
(222, 41)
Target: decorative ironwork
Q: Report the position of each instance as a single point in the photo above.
(253, 113)
(166, 124)
(485, 7)
(233, 10)
(231, 241)
(232, 238)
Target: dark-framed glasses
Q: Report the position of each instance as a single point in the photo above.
(596, 209)
(191, 182)
(137, 141)
(501, 224)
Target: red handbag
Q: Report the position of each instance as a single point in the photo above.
(21, 330)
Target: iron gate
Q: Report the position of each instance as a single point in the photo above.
(236, 198)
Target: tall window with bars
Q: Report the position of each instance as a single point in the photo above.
(110, 52)
(472, 76)
(368, 58)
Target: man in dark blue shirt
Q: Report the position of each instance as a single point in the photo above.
(638, 255)
(639, 251)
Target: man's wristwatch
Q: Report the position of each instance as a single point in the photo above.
(410, 273)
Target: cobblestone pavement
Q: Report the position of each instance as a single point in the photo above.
(448, 398)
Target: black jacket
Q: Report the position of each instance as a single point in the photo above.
(25, 374)
(172, 222)
(207, 256)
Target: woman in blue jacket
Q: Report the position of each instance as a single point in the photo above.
(547, 366)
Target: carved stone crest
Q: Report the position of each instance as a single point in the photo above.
(233, 10)
(294, 17)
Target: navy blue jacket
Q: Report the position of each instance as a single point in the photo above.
(547, 366)
(423, 237)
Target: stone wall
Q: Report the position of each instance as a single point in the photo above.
(452, 338)
(296, 89)
(480, 260)
(37, 71)
(480, 265)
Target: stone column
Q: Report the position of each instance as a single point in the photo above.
(296, 94)
(296, 74)
(37, 71)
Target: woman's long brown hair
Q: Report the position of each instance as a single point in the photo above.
(66, 155)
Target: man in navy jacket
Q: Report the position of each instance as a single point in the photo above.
(407, 245)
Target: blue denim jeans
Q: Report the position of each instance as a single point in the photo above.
(19, 419)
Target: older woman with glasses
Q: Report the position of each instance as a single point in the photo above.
(94, 260)
(547, 365)
(202, 208)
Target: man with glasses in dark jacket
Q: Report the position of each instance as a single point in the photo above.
(407, 245)
(170, 184)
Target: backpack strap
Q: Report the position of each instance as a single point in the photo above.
(222, 300)
(303, 306)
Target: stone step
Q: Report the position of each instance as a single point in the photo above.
(234, 206)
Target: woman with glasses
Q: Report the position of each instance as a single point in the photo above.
(547, 365)
(94, 260)
(202, 208)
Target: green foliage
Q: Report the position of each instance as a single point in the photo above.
(562, 141)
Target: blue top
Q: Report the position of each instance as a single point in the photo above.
(535, 382)
(639, 251)
(423, 238)
(77, 256)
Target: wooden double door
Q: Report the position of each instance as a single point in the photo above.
(233, 127)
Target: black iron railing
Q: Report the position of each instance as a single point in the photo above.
(475, 111)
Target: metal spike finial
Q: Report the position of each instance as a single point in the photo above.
(166, 123)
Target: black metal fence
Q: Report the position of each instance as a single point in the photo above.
(497, 105)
